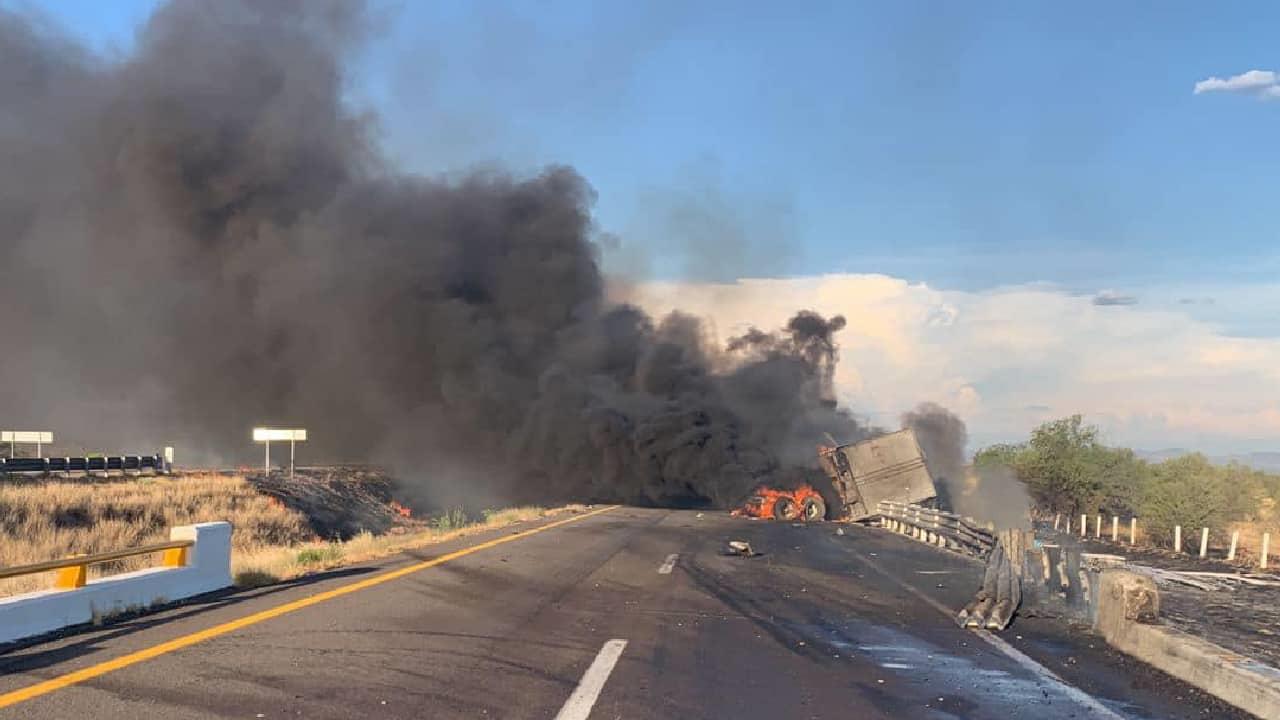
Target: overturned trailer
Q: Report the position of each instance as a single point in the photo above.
(862, 475)
(888, 467)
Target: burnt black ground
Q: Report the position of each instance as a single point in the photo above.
(1239, 617)
(820, 625)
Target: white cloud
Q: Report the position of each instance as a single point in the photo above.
(1009, 358)
(1263, 83)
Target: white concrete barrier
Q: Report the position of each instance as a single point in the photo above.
(1127, 614)
(207, 568)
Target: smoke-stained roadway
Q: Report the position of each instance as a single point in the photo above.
(821, 625)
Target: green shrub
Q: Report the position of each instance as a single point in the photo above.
(452, 519)
(1067, 469)
(330, 553)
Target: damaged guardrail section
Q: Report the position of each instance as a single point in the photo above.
(937, 527)
(196, 560)
(1053, 579)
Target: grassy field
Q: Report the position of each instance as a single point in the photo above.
(42, 520)
(48, 520)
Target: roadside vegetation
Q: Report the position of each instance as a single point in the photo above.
(272, 564)
(45, 520)
(1068, 469)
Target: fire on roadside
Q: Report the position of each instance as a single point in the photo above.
(802, 503)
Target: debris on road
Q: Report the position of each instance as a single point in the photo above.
(1001, 592)
(741, 547)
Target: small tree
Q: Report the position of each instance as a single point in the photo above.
(1183, 491)
(1063, 468)
(1067, 469)
(1123, 475)
(1002, 455)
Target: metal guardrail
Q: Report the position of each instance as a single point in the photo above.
(122, 463)
(937, 527)
(73, 571)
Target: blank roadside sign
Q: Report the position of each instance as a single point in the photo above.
(270, 435)
(33, 437)
(278, 434)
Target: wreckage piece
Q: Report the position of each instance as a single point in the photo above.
(1009, 582)
(887, 467)
(974, 615)
(741, 547)
(1000, 595)
(802, 503)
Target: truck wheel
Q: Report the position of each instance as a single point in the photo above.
(813, 509)
(784, 508)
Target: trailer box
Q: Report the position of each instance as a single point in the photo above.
(888, 467)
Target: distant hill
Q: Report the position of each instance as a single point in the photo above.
(1269, 461)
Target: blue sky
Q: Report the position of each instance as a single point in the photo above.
(966, 148)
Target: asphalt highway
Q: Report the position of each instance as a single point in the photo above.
(628, 613)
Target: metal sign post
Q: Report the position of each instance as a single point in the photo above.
(266, 435)
(39, 438)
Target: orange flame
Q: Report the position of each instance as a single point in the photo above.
(764, 503)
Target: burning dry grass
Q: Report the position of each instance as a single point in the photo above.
(46, 520)
(272, 564)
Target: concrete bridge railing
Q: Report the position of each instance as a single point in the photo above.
(196, 560)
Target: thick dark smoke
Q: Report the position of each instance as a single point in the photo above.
(942, 436)
(202, 237)
(989, 495)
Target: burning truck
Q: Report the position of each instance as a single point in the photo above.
(888, 467)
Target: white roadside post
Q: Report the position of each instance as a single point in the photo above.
(1097, 528)
(1115, 528)
(1266, 546)
(39, 438)
(1084, 525)
(1235, 538)
(1177, 539)
(1204, 542)
(1133, 531)
(266, 435)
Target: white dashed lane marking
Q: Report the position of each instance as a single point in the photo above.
(579, 704)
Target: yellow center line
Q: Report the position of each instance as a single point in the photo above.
(124, 661)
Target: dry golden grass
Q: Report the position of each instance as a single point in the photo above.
(46, 520)
(269, 565)
(42, 521)
(1250, 544)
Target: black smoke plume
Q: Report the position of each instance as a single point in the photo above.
(942, 436)
(203, 236)
(986, 494)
